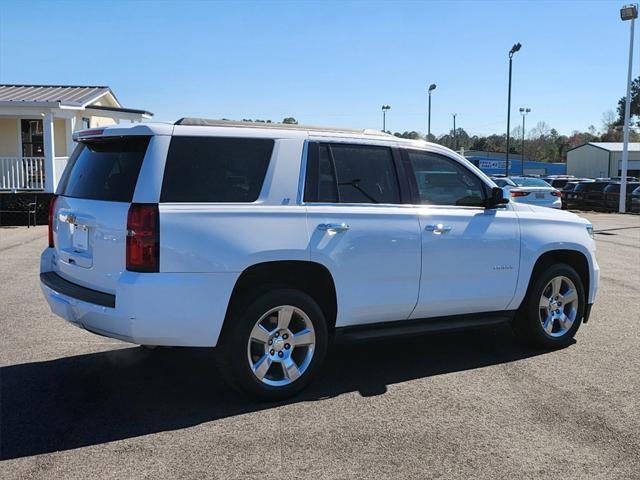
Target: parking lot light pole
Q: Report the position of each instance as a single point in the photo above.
(455, 135)
(628, 12)
(384, 116)
(523, 112)
(432, 87)
(513, 50)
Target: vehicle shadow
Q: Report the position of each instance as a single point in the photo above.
(91, 399)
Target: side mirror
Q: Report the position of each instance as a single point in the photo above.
(497, 198)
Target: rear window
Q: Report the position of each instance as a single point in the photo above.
(215, 169)
(615, 187)
(529, 182)
(104, 169)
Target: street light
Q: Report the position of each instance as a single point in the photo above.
(384, 116)
(513, 50)
(455, 135)
(523, 112)
(628, 12)
(432, 87)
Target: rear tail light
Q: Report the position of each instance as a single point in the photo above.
(556, 193)
(518, 193)
(52, 207)
(143, 238)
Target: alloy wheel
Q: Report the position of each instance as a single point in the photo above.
(558, 306)
(281, 346)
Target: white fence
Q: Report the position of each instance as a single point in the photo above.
(21, 173)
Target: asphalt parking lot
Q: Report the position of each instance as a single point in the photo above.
(468, 405)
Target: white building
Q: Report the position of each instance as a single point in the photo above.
(36, 127)
(602, 159)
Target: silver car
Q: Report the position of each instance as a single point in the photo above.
(534, 191)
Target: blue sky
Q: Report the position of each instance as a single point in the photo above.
(330, 63)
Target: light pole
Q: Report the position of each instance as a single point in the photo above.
(523, 112)
(513, 50)
(432, 87)
(384, 116)
(628, 12)
(455, 135)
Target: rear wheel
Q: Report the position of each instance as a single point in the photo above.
(275, 345)
(554, 308)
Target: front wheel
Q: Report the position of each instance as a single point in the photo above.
(275, 345)
(553, 310)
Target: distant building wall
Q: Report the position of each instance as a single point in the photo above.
(59, 138)
(633, 168)
(9, 135)
(588, 161)
(495, 163)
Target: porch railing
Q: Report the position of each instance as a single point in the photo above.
(21, 173)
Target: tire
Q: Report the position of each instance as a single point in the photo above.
(551, 314)
(280, 369)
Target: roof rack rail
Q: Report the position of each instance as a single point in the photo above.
(205, 122)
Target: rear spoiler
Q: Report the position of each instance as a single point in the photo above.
(123, 131)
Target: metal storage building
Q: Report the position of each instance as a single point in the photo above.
(602, 159)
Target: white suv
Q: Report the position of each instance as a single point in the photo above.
(270, 242)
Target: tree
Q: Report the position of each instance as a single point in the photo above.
(290, 121)
(412, 135)
(635, 105)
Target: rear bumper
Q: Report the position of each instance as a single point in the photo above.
(180, 309)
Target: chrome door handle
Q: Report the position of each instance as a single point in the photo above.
(333, 227)
(438, 228)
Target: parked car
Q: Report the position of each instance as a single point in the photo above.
(612, 195)
(504, 183)
(535, 191)
(635, 201)
(569, 188)
(593, 195)
(559, 181)
(269, 242)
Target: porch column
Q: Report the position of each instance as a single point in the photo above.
(49, 154)
(69, 128)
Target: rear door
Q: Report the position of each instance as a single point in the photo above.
(90, 216)
(361, 230)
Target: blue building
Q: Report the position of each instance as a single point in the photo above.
(493, 163)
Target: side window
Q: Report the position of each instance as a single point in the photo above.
(353, 174)
(215, 169)
(442, 181)
(327, 186)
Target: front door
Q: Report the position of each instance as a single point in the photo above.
(470, 254)
(361, 232)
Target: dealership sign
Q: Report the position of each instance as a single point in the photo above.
(492, 164)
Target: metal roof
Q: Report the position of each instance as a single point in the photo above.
(69, 95)
(204, 122)
(616, 146)
(611, 146)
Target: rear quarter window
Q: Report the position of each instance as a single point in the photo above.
(215, 169)
(104, 169)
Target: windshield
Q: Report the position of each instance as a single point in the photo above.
(529, 182)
